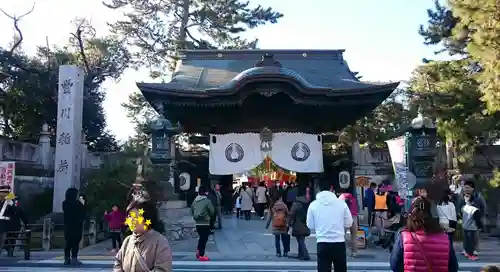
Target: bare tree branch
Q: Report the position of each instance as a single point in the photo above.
(16, 20)
(81, 47)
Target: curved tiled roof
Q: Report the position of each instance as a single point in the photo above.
(212, 71)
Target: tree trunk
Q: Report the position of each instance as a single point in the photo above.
(184, 22)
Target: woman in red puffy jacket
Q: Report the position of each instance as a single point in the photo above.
(422, 245)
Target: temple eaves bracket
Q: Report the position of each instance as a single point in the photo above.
(268, 60)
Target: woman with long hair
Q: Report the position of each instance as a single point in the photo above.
(146, 249)
(447, 214)
(422, 245)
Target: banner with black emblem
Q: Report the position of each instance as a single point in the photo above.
(299, 152)
(234, 153)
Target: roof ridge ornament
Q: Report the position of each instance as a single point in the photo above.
(268, 60)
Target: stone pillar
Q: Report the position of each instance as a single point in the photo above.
(44, 146)
(69, 128)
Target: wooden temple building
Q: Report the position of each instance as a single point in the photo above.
(225, 91)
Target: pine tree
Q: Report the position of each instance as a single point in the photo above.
(471, 28)
(30, 84)
(157, 29)
(440, 29)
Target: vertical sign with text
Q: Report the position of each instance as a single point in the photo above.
(7, 174)
(69, 131)
(397, 151)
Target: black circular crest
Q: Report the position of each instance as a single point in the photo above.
(234, 152)
(300, 152)
(182, 180)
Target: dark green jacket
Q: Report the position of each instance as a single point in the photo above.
(202, 205)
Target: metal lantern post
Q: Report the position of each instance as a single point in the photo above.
(421, 152)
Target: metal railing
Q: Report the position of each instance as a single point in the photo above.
(92, 233)
(21, 239)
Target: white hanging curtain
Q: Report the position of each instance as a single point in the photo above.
(299, 152)
(234, 153)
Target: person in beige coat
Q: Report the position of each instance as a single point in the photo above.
(247, 196)
(146, 249)
(261, 195)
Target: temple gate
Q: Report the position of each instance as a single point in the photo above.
(298, 98)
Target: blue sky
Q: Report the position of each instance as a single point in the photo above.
(380, 37)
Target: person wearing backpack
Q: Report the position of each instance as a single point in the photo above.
(297, 221)
(203, 211)
(278, 217)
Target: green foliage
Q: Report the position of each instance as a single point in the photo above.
(139, 111)
(39, 205)
(30, 85)
(495, 180)
(158, 28)
(482, 19)
(109, 185)
(261, 169)
(388, 120)
(448, 92)
(440, 29)
(471, 28)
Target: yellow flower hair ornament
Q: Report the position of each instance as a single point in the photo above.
(133, 219)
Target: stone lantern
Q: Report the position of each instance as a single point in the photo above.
(421, 150)
(162, 131)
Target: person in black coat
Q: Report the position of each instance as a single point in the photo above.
(212, 196)
(7, 211)
(14, 227)
(74, 215)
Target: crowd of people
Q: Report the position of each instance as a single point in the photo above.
(424, 241)
(293, 211)
(423, 235)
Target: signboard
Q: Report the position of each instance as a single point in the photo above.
(7, 174)
(362, 181)
(361, 238)
(397, 150)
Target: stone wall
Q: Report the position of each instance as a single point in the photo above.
(179, 223)
(41, 155)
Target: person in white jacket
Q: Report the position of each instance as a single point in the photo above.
(328, 217)
(447, 214)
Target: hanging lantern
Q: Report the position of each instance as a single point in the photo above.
(267, 162)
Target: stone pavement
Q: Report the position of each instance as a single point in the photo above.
(220, 266)
(248, 241)
(237, 240)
